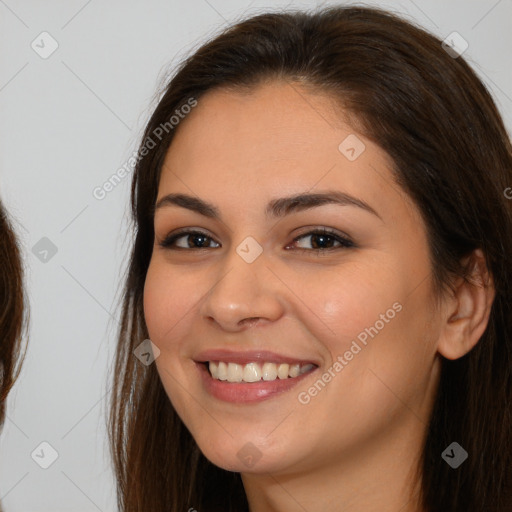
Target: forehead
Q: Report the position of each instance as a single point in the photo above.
(276, 139)
(276, 121)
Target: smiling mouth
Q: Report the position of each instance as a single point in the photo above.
(256, 372)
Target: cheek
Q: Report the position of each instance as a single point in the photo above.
(155, 303)
(166, 304)
(166, 301)
(353, 301)
(379, 324)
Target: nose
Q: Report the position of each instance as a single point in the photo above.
(243, 294)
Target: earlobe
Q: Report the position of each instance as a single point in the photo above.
(467, 311)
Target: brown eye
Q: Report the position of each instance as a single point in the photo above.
(193, 239)
(323, 240)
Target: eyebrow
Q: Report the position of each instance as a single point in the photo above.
(276, 208)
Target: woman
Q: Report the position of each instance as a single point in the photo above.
(321, 265)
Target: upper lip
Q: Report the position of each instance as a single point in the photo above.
(245, 357)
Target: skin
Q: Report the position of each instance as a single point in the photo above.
(355, 445)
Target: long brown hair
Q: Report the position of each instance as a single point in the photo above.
(12, 309)
(451, 154)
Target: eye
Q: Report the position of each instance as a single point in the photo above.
(322, 240)
(190, 237)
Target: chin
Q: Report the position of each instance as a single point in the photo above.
(243, 457)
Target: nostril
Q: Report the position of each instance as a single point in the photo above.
(249, 321)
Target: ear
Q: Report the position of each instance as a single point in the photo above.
(466, 312)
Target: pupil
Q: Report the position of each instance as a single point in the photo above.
(199, 237)
(322, 238)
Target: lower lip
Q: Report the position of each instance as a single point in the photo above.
(245, 392)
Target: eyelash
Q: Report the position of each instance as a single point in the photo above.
(345, 242)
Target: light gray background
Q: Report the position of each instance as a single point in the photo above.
(67, 124)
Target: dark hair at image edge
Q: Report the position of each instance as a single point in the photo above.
(451, 155)
(13, 313)
(12, 309)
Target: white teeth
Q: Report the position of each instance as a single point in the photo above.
(294, 370)
(235, 372)
(269, 371)
(282, 371)
(214, 370)
(254, 372)
(222, 371)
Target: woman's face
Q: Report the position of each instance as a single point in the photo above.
(259, 279)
